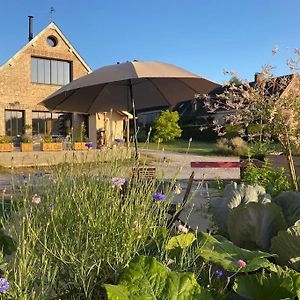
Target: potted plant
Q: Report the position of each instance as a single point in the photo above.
(26, 143)
(82, 142)
(6, 144)
(50, 144)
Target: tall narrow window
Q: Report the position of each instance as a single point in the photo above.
(14, 122)
(50, 71)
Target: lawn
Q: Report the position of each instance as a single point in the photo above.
(180, 145)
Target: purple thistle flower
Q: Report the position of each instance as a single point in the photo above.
(158, 196)
(4, 285)
(38, 174)
(219, 273)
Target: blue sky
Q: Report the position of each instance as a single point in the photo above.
(203, 36)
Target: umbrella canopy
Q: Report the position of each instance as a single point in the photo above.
(151, 84)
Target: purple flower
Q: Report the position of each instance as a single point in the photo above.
(38, 174)
(219, 273)
(158, 196)
(89, 145)
(4, 285)
(23, 177)
(165, 158)
(118, 141)
(117, 181)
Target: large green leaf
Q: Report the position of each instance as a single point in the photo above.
(235, 195)
(181, 241)
(253, 225)
(266, 286)
(7, 244)
(287, 246)
(224, 253)
(290, 205)
(147, 279)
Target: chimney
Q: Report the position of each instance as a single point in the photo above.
(30, 33)
(259, 77)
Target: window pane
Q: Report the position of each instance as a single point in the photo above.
(53, 71)
(34, 77)
(41, 71)
(47, 71)
(14, 122)
(66, 72)
(60, 73)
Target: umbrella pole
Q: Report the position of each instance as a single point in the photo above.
(134, 121)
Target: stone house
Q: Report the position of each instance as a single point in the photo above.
(47, 62)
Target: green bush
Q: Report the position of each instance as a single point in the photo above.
(197, 133)
(166, 126)
(4, 139)
(232, 131)
(274, 181)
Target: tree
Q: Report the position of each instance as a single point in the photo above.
(166, 126)
(268, 103)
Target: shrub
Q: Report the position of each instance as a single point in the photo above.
(235, 146)
(4, 139)
(232, 131)
(166, 126)
(198, 133)
(26, 138)
(47, 138)
(274, 181)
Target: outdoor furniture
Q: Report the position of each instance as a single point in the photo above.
(144, 172)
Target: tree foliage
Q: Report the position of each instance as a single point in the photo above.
(166, 126)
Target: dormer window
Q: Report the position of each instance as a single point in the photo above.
(50, 71)
(52, 41)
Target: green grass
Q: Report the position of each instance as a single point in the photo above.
(182, 146)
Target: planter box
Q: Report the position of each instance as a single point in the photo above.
(80, 146)
(26, 147)
(51, 147)
(9, 147)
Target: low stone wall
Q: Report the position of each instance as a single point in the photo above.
(45, 158)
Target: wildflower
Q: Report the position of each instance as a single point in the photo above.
(38, 174)
(158, 196)
(183, 228)
(23, 177)
(4, 285)
(36, 199)
(118, 141)
(51, 207)
(218, 273)
(241, 263)
(165, 159)
(117, 181)
(178, 189)
(89, 145)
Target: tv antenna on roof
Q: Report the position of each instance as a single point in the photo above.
(52, 12)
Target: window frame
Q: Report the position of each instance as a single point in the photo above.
(46, 71)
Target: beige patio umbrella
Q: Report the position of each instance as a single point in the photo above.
(129, 86)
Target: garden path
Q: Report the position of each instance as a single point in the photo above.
(172, 164)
